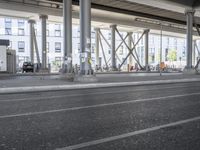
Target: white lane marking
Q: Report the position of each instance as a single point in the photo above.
(98, 105)
(95, 93)
(126, 135)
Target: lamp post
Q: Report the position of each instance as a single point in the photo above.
(161, 30)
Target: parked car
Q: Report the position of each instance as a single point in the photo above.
(27, 67)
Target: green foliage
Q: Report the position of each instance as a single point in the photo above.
(172, 55)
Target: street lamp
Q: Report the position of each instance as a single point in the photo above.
(161, 30)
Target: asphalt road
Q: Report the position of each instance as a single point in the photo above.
(158, 117)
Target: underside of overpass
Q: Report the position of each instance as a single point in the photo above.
(130, 13)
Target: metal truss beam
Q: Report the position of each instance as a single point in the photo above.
(130, 50)
(197, 48)
(104, 38)
(198, 61)
(101, 36)
(118, 49)
(135, 51)
(102, 48)
(36, 47)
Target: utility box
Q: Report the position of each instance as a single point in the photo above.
(11, 61)
(7, 58)
(3, 55)
(3, 59)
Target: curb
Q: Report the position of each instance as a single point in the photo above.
(152, 72)
(14, 90)
(27, 74)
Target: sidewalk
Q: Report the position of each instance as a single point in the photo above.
(15, 84)
(26, 81)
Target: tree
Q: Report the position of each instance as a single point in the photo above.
(172, 55)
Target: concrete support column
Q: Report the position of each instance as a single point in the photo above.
(189, 39)
(44, 40)
(147, 49)
(130, 46)
(31, 27)
(85, 40)
(97, 45)
(113, 52)
(67, 27)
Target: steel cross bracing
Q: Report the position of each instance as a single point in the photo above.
(136, 53)
(118, 49)
(36, 46)
(109, 45)
(131, 49)
(101, 36)
(197, 48)
(198, 61)
(102, 47)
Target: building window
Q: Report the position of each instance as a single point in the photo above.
(20, 23)
(58, 61)
(79, 48)
(121, 50)
(20, 31)
(152, 58)
(8, 31)
(8, 22)
(57, 30)
(8, 26)
(93, 35)
(21, 46)
(92, 48)
(57, 47)
(78, 34)
(20, 27)
(47, 46)
(109, 51)
(109, 36)
(152, 51)
(184, 52)
(47, 31)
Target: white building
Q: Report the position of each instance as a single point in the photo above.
(17, 31)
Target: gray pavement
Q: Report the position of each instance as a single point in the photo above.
(29, 80)
(151, 117)
(36, 83)
(133, 77)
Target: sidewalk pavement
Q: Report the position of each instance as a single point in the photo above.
(20, 84)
